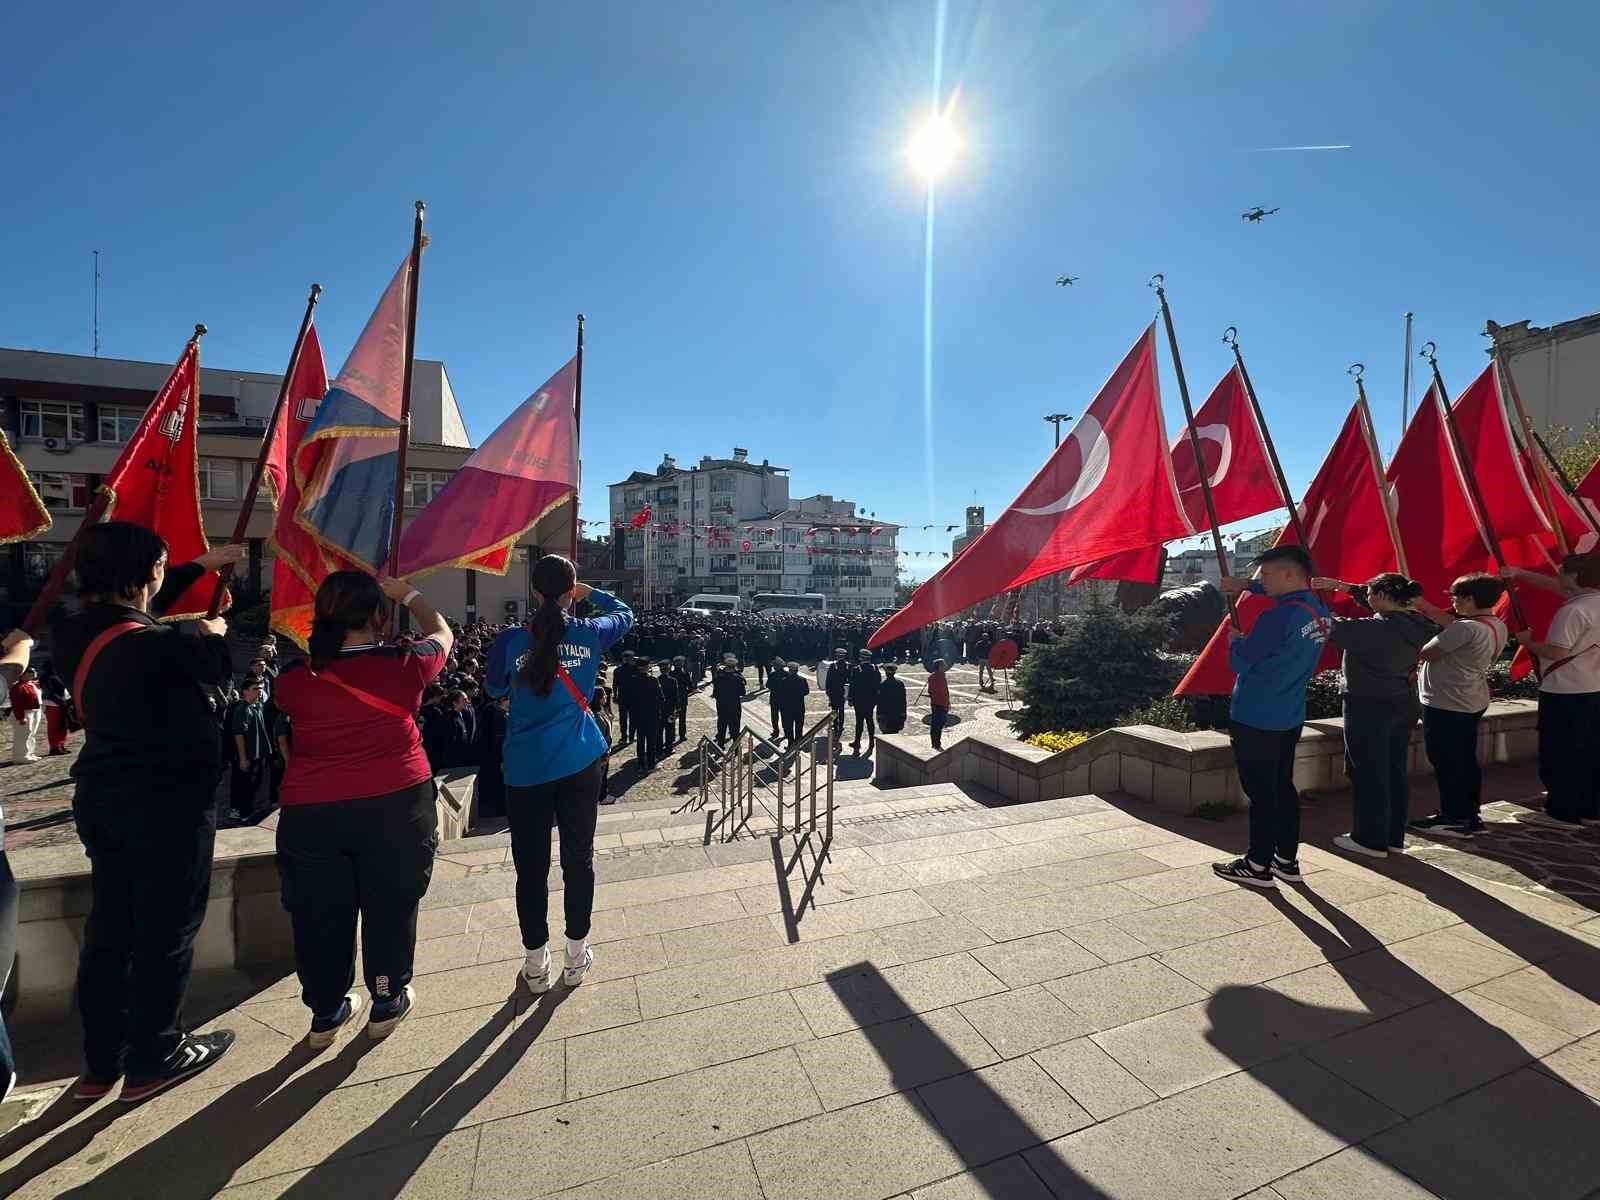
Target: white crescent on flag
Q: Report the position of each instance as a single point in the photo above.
(1223, 437)
(1094, 455)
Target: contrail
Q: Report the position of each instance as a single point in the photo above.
(1279, 149)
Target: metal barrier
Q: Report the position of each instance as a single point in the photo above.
(792, 787)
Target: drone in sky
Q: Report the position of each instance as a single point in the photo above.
(1067, 280)
(1255, 214)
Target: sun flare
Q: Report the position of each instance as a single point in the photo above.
(934, 147)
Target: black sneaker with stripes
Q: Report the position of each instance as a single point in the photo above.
(194, 1054)
(1242, 870)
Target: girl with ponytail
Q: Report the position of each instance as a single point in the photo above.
(554, 756)
(1380, 706)
(359, 822)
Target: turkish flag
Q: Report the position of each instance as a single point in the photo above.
(1439, 527)
(1237, 468)
(1510, 504)
(1107, 488)
(156, 482)
(299, 564)
(1346, 533)
(640, 518)
(1578, 514)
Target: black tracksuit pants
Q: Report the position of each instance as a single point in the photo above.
(150, 874)
(371, 857)
(1377, 743)
(1265, 760)
(1569, 765)
(1451, 739)
(570, 804)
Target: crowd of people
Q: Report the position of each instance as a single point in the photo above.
(1407, 660)
(351, 737)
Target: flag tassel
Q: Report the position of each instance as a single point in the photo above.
(249, 503)
(1157, 283)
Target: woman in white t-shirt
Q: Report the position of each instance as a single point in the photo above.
(1569, 695)
(1454, 689)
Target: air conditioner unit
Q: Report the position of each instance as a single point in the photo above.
(511, 607)
(54, 446)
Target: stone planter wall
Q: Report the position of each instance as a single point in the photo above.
(1178, 772)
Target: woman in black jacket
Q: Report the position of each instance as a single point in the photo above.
(1380, 707)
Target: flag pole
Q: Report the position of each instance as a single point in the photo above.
(1539, 477)
(57, 579)
(1158, 282)
(1405, 386)
(417, 242)
(1566, 483)
(577, 448)
(249, 503)
(1475, 496)
(1231, 339)
(1385, 496)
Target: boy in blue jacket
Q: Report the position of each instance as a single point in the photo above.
(1273, 663)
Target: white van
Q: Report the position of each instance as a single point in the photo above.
(710, 602)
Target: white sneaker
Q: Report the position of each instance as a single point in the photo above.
(536, 971)
(323, 1035)
(1347, 843)
(575, 971)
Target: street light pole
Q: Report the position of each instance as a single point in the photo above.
(1055, 598)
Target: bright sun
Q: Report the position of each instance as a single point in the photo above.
(934, 147)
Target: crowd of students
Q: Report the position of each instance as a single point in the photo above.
(1406, 660)
(357, 831)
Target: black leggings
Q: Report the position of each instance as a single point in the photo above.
(571, 804)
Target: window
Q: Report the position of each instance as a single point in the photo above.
(52, 419)
(61, 491)
(724, 483)
(219, 479)
(38, 559)
(423, 486)
(117, 424)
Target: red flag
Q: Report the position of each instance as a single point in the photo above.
(1511, 506)
(156, 480)
(1346, 533)
(1239, 472)
(523, 470)
(1438, 524)
(22, 514)
(642, 518)
(1107, 488)
(299, 564)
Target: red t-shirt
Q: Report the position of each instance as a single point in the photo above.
(938, 691)
(344, 747)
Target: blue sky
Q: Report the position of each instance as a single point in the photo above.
(721, 188)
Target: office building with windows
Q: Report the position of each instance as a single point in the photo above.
(68, 417)
(727, 525)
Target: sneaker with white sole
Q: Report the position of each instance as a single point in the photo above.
(1287, 869)
(194, 1054)
(574, 972)
(1347, 843)
(325, 1030)
(386, 1016)
(536, 971)
(1242, 870)
(1460, 829)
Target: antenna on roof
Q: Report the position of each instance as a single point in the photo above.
(97, 304)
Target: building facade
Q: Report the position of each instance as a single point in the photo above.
(727, 526)
(68, 417)
(1556, 370)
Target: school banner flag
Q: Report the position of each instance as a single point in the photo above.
(22, 514)
(349, 454)
(525, 468)
(1237, 468)
(1346, 533)
(299, 565)
(1107, 488)
(156, 481)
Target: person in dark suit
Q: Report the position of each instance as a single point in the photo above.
(891, 701)
(792, 689)
(680, 672)
(864, 683)
(647, 708)
(728, 692)
(668, 683)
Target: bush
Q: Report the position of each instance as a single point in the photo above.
(1164, 712)
(1058, 740)
(1103, 665)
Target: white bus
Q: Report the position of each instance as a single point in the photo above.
(710, 602)
(789, 602)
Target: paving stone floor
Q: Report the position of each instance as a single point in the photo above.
(1032, 1001)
